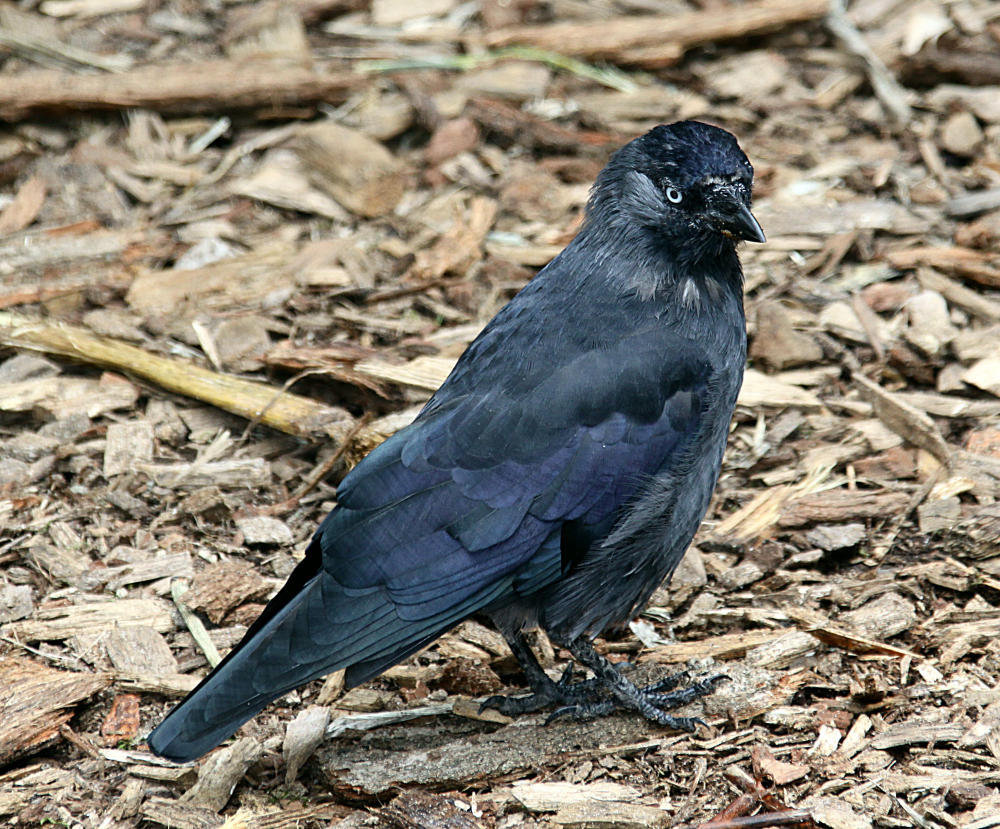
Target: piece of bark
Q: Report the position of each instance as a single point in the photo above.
(466, 676)
(939, 514)
(887, 89)
(983, 102)
(36, 250)
(88, 8)
(796, 219)
(236, 473)
(140, 651)
(513, 80)
(761, 389)
(840, 506)
(617, 815)
(941, 405)
(358, 172)
(551, 796)
(282, 180)
(177, 815)
(25, 207)
(451, 138)
(333, 687)
(220, 587)
(961, 134)
(977, 536)
(62, 562)
(460, 246)
(976, 344)
(904, 419)
(780, 773)
(15, 601)
(422, 810)
(975, 64)
(782, 651)
(54, 623)
(845, 639)
(63, 397)
(127, 444)
(971, 204)
(778, 343)
(264, 529)
(267, 31)
(510, 123)
(198, 86)
(149, 569)
(458, 753)
(743, 574)
(241, 341)
(984, 374)
(833, 813)
(910, 733)
(302, 737)
(724, 646)
(425, 372)
(658, 40)
(983, 471)
(221, 772)
(831, 537)
(981, 233)
(168, 685)
(249, 280)
(34, 702)
(122, 721)
(969, 300)
(881, 618)
(128, 802)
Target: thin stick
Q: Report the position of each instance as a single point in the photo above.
(792, 817)
(289, 413)
(656, 40)
(321, 471)
(884, 84)
(194, 624)
(199, 86)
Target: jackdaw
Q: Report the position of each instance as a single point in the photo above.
(557, 476)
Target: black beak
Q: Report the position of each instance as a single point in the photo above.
(743, 225)
(733, 217)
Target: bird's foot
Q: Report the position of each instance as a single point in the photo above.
(652, 701)
(565, 693)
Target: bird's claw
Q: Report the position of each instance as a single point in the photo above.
(652, 701)
(515, 706)
(562, 692)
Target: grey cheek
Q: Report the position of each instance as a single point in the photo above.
(641, 199)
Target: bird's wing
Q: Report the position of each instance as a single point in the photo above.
(462, 509)
(472, 498)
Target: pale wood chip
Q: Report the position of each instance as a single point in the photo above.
(55, 623)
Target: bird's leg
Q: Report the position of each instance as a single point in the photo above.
(545, 691)
(652, 701)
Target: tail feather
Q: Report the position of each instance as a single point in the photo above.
(237, 688)
(295, 641)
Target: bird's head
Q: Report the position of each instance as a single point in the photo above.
(687, 181)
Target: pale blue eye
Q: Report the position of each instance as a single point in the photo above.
(674, 195)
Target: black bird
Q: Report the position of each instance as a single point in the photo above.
(557, 476)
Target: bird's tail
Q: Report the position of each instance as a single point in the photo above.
(262, 667)
(313, 626)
